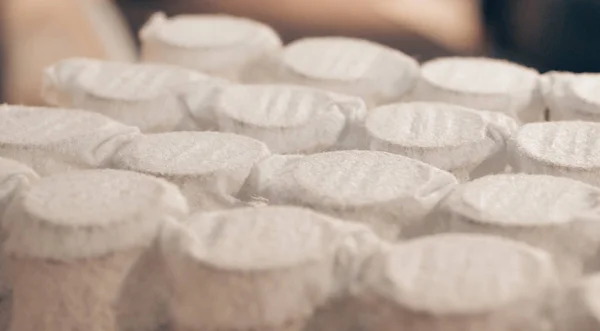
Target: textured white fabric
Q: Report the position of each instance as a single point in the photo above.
(209, 167)
(453, 138)
(80, 251)
(292, 119)
(283, 272)
(149, 96)
(271, 180)
(52, 140)
(201, 101)
(457, 282)
(481, 83)
(566, 149)
(89, 213)
(383, 190)
(350, 66)
(558, 215)
(571, 96)
(14, 178)
(589, 293)
(219, 45)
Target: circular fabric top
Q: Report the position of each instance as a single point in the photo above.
(354, 178)
(207, 31)
(272, 106)
(465, 274)
(479, 75)
(332, 58)
(189, 153)
(569, 144)
(426, 125)
(528, 200)
(271, 237)
(133, 82)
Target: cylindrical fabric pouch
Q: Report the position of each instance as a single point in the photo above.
(456, 282)
(52, 140)
(383, 190)
(219, 45)
(453, 138)
(15, 178)
(484, 84)
(564, 149)
(149, 96)
(80, 251)
(558, 215)
(210, 168)
(570, 96)
(265, 268)
(374, 72)
(293, 119)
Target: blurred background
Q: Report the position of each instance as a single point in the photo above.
(544, 34)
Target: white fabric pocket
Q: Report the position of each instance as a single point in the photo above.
(456, 282)
(555, 214)
(565, 149)
(219, 45)
(292, 119)
(52, 140)
(483, 84)
(383, 190)
(376, 73)
(80, 254)
(571, 96)
(209, 167)
(460, 140)
(151, 97)
(281, 276)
